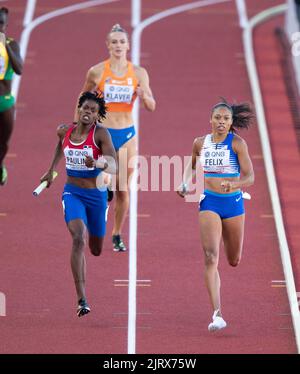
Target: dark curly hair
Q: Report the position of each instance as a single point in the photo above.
(97, 98)
(242, 114)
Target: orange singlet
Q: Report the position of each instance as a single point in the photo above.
(119, 92)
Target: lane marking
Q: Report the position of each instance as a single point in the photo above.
(124, 313)
(138, 327)
(242, 10)
(127, 285)
(2, 305)
(278, 285)
(127, 280)
(141, 215)
(135, 58)
(267, 152)
(257, 157)
(30, 25)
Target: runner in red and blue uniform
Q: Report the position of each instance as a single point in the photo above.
(88, 150)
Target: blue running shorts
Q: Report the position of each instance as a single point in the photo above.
(88, 204)
(121, 136)
(225, 205)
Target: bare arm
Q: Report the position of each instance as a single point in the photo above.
(247, 172)
(190, 168)
(58, 153)
(15, 58)
(143, 90)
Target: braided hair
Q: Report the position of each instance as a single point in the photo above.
(242, 114)
(97, 98)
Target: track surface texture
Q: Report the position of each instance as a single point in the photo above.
(192, 58)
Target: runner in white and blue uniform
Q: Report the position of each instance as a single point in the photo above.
(227, 169)
(219, 160)
(88, 150)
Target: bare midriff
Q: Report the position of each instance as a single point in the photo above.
(118, 120)
(214, 184)
(82, 182)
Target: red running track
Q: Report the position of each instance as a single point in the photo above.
(173, 311)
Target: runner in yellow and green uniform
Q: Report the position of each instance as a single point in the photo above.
(10, 62)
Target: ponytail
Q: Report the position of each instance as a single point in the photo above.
(242, 114)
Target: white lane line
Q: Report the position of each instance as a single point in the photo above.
(2, 305)
(136, 35)
(267, 152)
(127, 280)
(32, 24)
(135, 58)
(135, 12)
(242, 11)
(29, 12)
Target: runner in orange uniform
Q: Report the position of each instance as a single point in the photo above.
(120, 82)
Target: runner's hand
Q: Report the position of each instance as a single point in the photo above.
(90, 162)
(48, 177)
(226, 186)
(182, 190)
(140, 92)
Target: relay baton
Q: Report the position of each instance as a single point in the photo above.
(43, 185)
